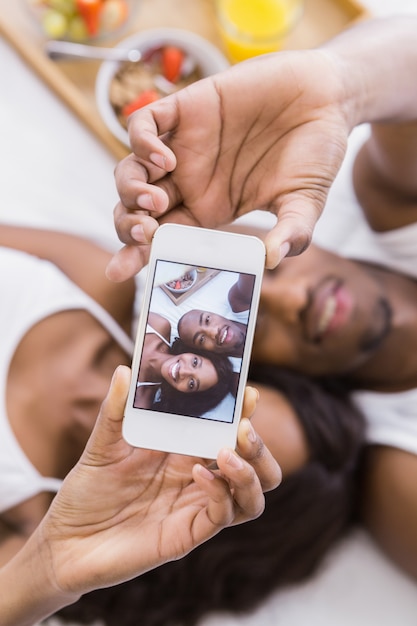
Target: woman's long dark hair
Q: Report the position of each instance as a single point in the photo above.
(198, 403)
(241, 566)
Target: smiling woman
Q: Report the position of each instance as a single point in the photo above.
(175, 380)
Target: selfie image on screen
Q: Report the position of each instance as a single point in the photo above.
(194, 342)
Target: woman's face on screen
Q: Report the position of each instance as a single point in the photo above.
(189, 372)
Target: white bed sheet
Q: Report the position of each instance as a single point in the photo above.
(55, 174)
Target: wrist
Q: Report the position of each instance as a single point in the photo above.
(32, 590)
(376, 61)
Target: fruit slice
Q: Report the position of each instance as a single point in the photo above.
(113, 14)
(144, 98)
(90, 12)
(172, 60)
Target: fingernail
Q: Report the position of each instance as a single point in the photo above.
(158, 159)
(205, 473)
(145, 201)
(283, 250)
(234, 461)
(137, 233)
(255, 391)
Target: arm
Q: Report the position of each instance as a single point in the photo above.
(274, 137)
(385, 176)
(80, 259)
(240, 294)
(389, 503)
(117, 497)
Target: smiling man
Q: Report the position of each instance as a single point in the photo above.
(323, 315)
(212, 332)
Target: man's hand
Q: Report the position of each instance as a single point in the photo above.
(270, 133)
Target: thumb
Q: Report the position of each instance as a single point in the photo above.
(107, 431)
(127, 262)
(293, 231)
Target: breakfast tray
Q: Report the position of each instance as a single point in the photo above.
(202, 279)
(74, 81)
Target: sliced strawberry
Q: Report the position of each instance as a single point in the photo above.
(90, 12)
(144, 98)
(172, 59)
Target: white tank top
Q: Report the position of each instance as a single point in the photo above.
(33, 289)
(151, 331)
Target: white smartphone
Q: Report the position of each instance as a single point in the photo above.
(194, 340)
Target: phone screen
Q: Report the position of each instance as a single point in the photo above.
(207, 309)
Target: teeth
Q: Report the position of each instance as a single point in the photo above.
(174, 371)
(327, 315)
(223, 336)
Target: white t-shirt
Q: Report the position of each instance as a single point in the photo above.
(33, 289)
(391, 417)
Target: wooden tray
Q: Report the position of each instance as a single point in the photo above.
(74, 82)
(202, 279)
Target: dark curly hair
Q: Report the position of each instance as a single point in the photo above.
(198, 403)
(236, 570)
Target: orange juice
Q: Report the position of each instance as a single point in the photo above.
(252, 27)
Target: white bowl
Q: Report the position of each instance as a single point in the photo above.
(209, 59)
(192, 277)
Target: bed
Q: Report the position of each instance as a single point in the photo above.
(72, 189)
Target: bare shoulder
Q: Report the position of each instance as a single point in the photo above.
(389, 503)
(161, 324)
(385, 176)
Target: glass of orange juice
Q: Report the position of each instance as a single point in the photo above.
(252, 27)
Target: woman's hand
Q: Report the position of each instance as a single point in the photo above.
(125, 510)
(122, 510)
(270, 133)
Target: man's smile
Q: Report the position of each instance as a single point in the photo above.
(329, 309)
(223, 335)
